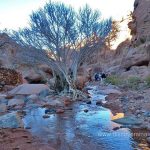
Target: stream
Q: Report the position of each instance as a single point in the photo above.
(77, 129)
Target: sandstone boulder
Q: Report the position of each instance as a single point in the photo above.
(80, 82)
(28, 89)
(15, 102)
(141, 72)
(45, 68)
(128, 121)
(136, 57)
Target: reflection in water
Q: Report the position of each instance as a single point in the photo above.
(117, 116)
(77, 130)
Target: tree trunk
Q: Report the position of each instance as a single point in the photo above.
(67, 86)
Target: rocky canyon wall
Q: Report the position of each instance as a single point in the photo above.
(140, 25)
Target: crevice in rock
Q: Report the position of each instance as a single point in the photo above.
(136, 4)
(142, 63)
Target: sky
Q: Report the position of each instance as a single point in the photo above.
(14, 14)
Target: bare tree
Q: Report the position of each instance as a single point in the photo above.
(67, 36)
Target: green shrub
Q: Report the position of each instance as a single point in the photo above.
(147, 80)
(130, 83)
(114, 80)
(133, 82)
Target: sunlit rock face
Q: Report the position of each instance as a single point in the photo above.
(140, 26)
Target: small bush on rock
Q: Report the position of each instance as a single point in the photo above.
(147, 80)
(133, 82)
(114, 80)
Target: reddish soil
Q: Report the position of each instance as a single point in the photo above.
(20, 139)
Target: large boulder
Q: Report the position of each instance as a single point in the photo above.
(31, 63)
(35, 78)
(15, 102)
(128, 121)
(136, 57)
(80, 82)
(137, 71)
(45, 68)
(28, 89)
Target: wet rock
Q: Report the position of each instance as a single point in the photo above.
(3, 108)
(89, 96)
(34, 78)
(60, 111)
(139, 115)
(10, 120)
(28, 89)
(67, 101)
(54, 103)
(131, 101)
(2, 83)
(3, 101)
(15, 102)
(148, 127)
(132, 108)
(116, 128)
(9, 96)
(50, 111)
(143, 111)
(147, 114)
(2, 96)
(148, 140)
(86, 110)
(27, 127)
(124, 126)
(44, 93)
(89, 102)
(110, 91)
(69, 108)
(1, 87)
(138, 111)
(51, 82)
(21, 113)
(32, 97)
(128, 121)
(88, 88)
(46, 116)
(99, 103)
(143, 126)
